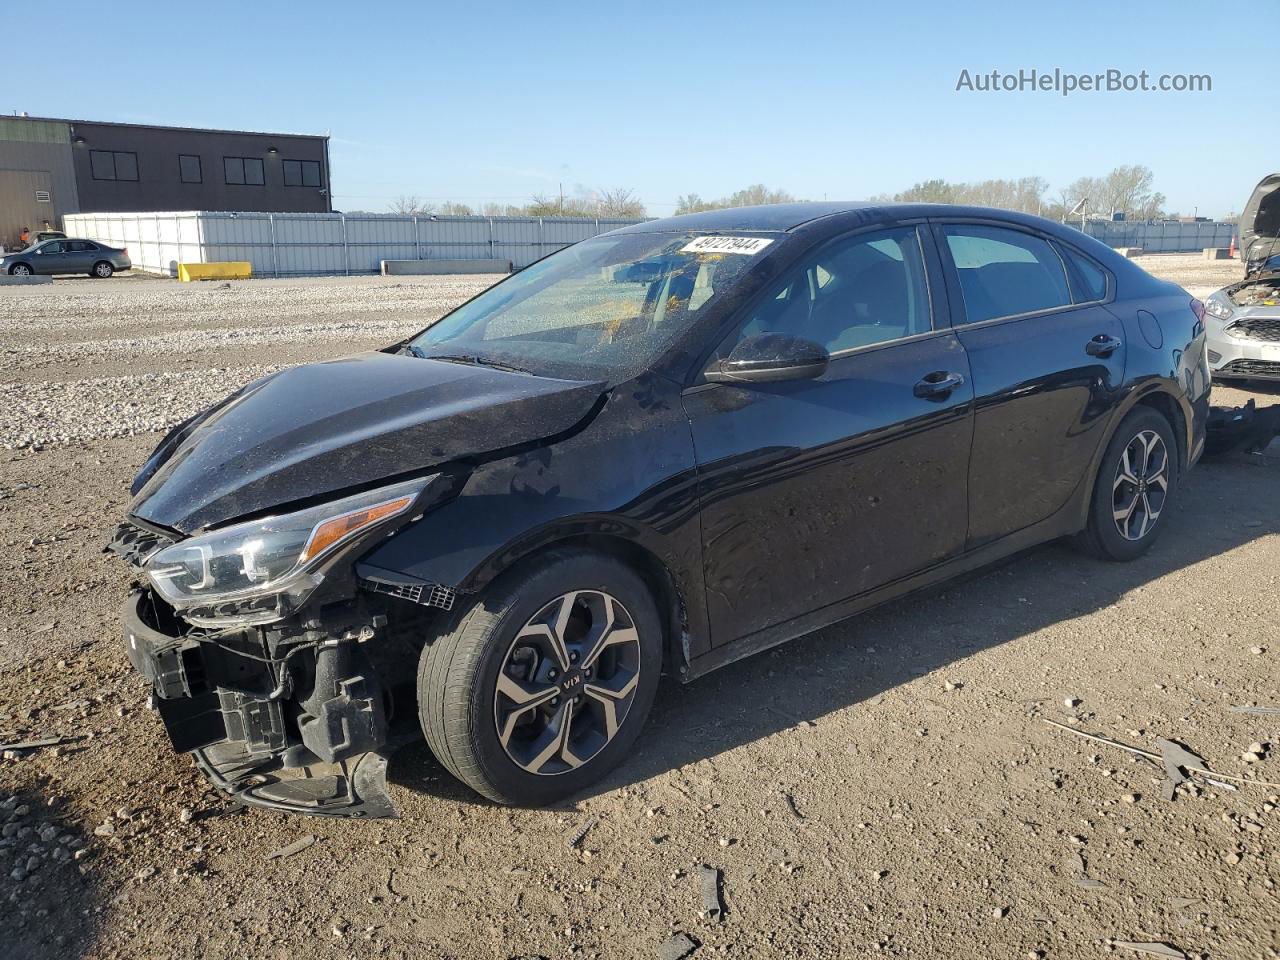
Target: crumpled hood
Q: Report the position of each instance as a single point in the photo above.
(327, 427)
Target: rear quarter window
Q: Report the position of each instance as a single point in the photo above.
(1088, 280)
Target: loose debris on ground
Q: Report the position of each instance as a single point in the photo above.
(676, 947)
(1150, 949)
(709, 891)
(296, 847)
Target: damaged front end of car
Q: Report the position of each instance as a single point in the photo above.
(258, 642)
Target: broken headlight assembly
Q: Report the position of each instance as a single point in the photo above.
(263, 570)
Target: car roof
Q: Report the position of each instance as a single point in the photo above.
(784, 217)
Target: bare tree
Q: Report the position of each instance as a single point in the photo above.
(454, 209)
(751, 196)
(621, 202)
(930, 191)
(755, 195)
(1126, 189)
(1025, 194)
(411, 205)
(692, 203)
(540, 205)
(1129, 190)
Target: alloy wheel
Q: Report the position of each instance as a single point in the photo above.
(1141, 485)
(21, 270)
(567, 682)
(103, 270)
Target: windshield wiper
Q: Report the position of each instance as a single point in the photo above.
(467, 358)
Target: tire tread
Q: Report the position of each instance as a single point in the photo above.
(449, 671)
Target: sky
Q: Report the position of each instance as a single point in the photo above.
(500, 101)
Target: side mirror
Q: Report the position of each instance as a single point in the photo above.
(769, 357)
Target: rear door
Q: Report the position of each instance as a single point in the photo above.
(1047, 360)
(80, 256)
(814, 491)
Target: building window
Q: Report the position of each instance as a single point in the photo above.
(301, 173)
(113, 165)
(243, 170)
(189, 168)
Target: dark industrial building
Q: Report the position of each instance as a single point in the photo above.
(49, 168)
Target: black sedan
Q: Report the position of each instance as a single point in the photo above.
(664, 448)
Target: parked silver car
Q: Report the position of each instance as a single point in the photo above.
(1242, 322)
(68, 255)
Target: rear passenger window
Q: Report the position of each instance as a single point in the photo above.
(1088, 281)
(1004, 273)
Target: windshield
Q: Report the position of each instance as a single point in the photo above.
(597, 308)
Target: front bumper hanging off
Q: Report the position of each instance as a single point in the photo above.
(1245, 429)
(297, 724)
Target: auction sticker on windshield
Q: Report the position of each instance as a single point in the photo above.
(748, 245)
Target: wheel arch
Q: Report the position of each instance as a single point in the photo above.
(1159, 395)
(1166, 404)
(21, 263)
(621, 541)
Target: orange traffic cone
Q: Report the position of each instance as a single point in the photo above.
(1231, 250)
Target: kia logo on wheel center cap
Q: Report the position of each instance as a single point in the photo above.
(571, 683)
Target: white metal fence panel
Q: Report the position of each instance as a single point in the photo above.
(1162, 236)
(302, 244)
(156, 242)
(307, 244)
(458, 238)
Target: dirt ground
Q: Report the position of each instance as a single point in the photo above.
(884, 787)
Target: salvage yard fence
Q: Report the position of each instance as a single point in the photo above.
(312, 244)
(1162, 236)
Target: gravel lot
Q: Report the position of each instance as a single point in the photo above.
(884, 787)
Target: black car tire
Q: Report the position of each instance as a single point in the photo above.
(1103, 537)
(458, 676)
(102, 270)
(21, 270)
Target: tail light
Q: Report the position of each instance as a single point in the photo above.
(125, 251)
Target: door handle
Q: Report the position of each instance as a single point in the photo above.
(1103, 345)
(938, 384)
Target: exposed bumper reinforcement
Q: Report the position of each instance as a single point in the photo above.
(222, 702)
(353, 788)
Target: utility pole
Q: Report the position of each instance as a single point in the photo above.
(561, 186)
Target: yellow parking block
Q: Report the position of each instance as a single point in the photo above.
(231, 270)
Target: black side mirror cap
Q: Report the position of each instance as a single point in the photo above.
(769, 358)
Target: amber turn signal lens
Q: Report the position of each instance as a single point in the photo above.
(333, 531)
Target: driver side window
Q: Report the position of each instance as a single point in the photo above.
(855, 292)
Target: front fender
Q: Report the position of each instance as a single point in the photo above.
(629, 478)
